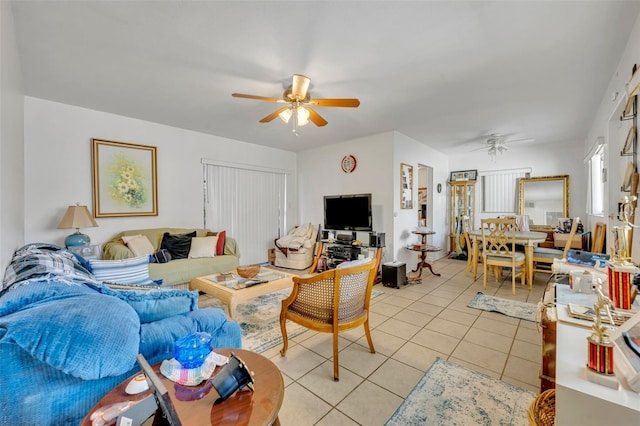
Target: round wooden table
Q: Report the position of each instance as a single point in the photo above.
(242, 408)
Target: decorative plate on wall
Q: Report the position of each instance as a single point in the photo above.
(348, 163)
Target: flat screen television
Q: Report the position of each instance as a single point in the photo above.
(348, 212)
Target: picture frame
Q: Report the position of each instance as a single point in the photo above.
(406, 186)
(627, 149)
(124, 179)
(463, 175)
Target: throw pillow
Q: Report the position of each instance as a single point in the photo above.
(203, 247)
(140, 246)
(221, 241)
(178, 245)
(126, 238)
(222, 235)
(127, 271)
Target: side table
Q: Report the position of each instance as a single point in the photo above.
(423, 248)
(259, 407)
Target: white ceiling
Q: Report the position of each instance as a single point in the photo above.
(444, 73)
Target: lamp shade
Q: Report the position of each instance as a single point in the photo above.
(77, 217)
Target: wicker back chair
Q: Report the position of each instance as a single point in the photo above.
(330, 302)
(499, 241)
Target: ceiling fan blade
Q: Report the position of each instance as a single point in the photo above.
(516, 141)
(316, 118)
(346, 103)
(273, 115)
(259, 98)
(299, 87)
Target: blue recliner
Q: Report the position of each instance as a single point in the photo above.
(67, 340)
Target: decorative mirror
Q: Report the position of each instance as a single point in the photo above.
(544, 199)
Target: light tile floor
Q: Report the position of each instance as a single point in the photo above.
(411, 326)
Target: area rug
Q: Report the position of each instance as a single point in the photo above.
(512, 308)
(259, 320)
(449, 394)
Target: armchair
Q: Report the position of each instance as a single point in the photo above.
(295, 250)
(331, 302)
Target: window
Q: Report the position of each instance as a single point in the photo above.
(500, 190)
(597, 176)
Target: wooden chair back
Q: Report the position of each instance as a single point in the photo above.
(599, 232)
(499, 237)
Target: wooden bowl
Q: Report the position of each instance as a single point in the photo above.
(248, 271)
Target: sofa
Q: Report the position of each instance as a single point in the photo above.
(175, 273)
(296, 250)
(66, 339)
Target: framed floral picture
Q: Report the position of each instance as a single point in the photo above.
(124, 179)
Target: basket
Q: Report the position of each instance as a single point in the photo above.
(542, 411)
(248, 271)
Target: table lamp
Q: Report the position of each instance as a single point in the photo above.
(77, 217)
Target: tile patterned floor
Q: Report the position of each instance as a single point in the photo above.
(411, 326)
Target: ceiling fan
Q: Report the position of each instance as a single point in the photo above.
(298, 104)
(497, 144)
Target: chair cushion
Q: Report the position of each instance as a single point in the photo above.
(354, 263)
(519, 257)
(547, 253)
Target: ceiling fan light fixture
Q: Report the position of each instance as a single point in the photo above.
(302, 116)
(286, 115)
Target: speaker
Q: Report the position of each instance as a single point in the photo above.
(325, 234)
(376, 239)
(394, 274)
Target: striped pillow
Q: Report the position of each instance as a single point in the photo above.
(127, 271)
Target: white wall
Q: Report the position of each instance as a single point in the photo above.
(58, 171)
(605, 124)
(320, 174)
(410, 151)
(12, 189)
(377, 172)
(543, 159)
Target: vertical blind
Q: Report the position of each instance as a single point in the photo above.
(500, 190)
(248, 203)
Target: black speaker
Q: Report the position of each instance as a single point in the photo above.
(325, 234)
(376, 239)
(394, 274)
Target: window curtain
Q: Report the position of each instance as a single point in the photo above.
(500, 190)
(247, 202)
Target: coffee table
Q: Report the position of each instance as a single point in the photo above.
(232, 297)
(243, 408)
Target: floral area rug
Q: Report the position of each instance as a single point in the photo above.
(259, 320)
(512, 308)
(449, 394)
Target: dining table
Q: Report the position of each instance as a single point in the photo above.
(529, 239)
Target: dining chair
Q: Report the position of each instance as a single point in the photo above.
(545, 256)
(599, 232)
(330, 302)
(499, 240)
(466, 228)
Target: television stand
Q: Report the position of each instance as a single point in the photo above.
(322, 260)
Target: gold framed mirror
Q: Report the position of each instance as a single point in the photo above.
(544, 199)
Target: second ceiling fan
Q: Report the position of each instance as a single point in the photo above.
(298, 104)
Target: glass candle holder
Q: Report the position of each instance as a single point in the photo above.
(191, 351)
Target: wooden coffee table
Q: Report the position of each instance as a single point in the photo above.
(242, 408)
(232, 297)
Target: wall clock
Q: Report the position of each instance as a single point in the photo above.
(348, 163)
